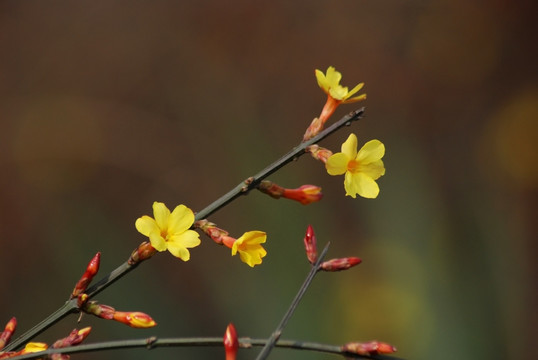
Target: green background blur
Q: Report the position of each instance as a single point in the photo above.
(107, 106)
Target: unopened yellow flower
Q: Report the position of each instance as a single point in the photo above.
(250, 250)
(361, 168)
(33, 347)
(170, 231)
(330, 83)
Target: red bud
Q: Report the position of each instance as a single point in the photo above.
(85, 280)
(369, 348)
(339, 264)
(231, 343)
(310, 245)
(5, 336)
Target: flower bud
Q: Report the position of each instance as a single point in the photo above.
(271, 189)
(5, 336)
(310, 245)
(102, 311)
(319, 153)
(231, 343)
(85, 280)
(339, 264)
(134, 319)
(143, 252)
(368, 348)
(31, 347)
(305, 194)
(74, 338)
(211, 230)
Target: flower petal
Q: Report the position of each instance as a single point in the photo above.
(181, 219)
(337, 164)
(333, 77)
(322, 81)
(146, 225)
(349, 147)
(161, 214)
(179, 252)
(354, 90)
(338, 92)
(187, 239)
(361, 184)
(253, 237)
(372, 151)
(355, 99)
(157, 241)
(374, 169)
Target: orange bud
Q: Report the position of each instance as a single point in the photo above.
(134, 319)
(85, 280)
(143, 252)
(310, 245)
(305, 194)
(271, 189)
(5, 336)
(339, 264)
(74, 338)
(368, 348)
(211, 230)
(319, 153)
(231, 343)
(315, 128)
(102, 311)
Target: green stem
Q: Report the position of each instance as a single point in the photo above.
(241, 189)
(153, 342)
(264, 353)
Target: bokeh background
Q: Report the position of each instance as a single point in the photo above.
(107, 106)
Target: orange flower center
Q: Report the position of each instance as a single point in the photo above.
(353, 166)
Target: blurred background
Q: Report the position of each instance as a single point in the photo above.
(107, 106)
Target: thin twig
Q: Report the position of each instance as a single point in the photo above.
(240, 189)
(264, 353)
(153, 342)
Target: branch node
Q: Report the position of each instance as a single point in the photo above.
(150, 342)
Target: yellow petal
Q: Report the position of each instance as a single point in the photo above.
(333, 77)
(354, 90)
(32, 347)
(374, 169)
(337, 164)
(187, 239)
(322, 81)
(254, 237)
(355, 99)
(349, 147)
(157, 241)
(180, 252)
(361, 184)
(161, 214)
(372, 151)
(338, 92)
(146, 225)
(180, 220)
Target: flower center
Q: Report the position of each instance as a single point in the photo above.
(353, 166)
(164, 235)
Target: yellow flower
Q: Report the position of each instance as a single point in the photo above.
(361, 168)
(250, 250)
(170, 231)
(330, 83)
(336, 95)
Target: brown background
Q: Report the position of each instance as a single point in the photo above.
(107, 106)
